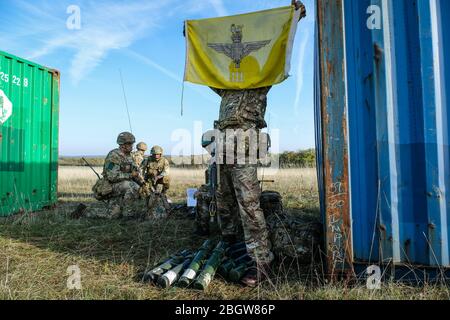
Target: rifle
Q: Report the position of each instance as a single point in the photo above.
(98, 176)
(213, 172)
(213, 184)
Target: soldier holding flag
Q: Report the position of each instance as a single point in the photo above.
(243, 84)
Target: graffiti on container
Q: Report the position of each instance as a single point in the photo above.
(336, 202)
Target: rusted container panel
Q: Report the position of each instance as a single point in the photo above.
(333, 132)
(396, 67)
(29, 108)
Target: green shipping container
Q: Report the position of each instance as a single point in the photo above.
(29, 109)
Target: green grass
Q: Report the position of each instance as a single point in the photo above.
(37, 248)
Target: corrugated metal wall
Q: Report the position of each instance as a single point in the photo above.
(29, 137)
(394, 58)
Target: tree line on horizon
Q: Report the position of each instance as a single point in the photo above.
(287, 159)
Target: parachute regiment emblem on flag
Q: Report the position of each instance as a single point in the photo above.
(238, 50)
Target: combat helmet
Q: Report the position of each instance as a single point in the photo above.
(142, 146)
(125, 137)
(156, 150)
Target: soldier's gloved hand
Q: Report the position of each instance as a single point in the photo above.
(135, 174)
(299, 6)
(144, 191)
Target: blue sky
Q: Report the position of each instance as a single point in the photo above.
(144, 39)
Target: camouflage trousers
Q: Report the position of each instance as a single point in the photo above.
(238, 208)
(165, 183)
(123, 202)
(157, 205)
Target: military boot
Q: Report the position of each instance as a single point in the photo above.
(166, 203)
(230, 239)
(255, 275)
(115, 211)
(79, 212)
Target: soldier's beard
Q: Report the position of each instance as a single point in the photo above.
(126, 150)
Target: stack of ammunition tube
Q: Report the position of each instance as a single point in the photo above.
(197, 269)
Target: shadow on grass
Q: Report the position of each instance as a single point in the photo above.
(140, 244)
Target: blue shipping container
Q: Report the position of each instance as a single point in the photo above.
(382, 98)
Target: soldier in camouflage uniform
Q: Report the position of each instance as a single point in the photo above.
(139, 155)
(238, 183)
(156, 169)
(239, 190)
(125, 178)
(156, 173)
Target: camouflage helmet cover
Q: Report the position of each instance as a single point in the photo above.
(157, 150)
(208, 138)
(142, 146)
(125, 137)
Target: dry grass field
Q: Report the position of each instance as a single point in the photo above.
(36, 250)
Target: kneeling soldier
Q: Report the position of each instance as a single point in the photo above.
(139, 154)
(125, 178)
(156, 169)
(156, 173)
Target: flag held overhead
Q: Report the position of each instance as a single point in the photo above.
(241, 52)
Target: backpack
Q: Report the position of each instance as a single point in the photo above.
(102, 189)
(271, 203)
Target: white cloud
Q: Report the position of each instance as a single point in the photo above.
(219, 7)
(300, 68)
(155, 65)
(167, 72)
(104, 27)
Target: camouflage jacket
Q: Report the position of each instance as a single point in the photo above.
(243, 109)
(119, 167)
(138, 157)
(154, 168)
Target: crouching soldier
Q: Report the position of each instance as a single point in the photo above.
(124, 178)
(156, 175)
(139, 154)
(156, 169)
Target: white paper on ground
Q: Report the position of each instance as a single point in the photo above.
(191, 201)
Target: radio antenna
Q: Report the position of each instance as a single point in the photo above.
(126, 101)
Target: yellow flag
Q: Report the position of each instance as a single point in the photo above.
(241, 52)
